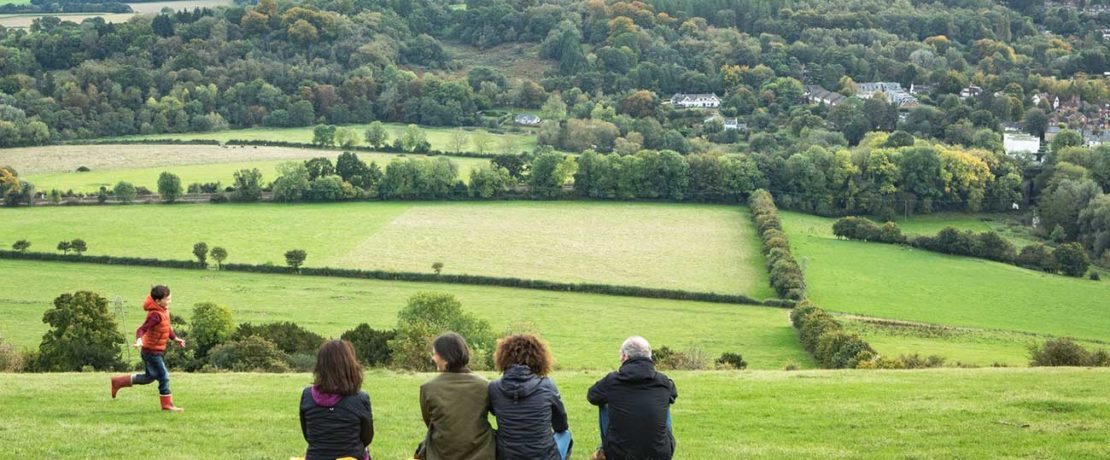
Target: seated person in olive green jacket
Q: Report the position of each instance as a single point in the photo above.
(455, 406)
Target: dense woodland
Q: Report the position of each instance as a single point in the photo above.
(613, 67)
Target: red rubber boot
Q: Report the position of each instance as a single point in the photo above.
(120, 381)
(167, 404)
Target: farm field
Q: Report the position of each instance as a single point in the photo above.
(1006, 225)
(440, 138)
(947, 413)
(893, 282)
(23, 21)
(691, 247)
(53, 167)
(584, 330)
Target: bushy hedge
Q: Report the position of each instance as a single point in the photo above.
(1068, 259)
(105, 260)
(786, 275)
(826, 340)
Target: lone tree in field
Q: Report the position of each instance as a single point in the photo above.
(295, 258)
(376, 135)
(200, 251)
(459, 139)
(82, 332)
(437, 267)
(323, 135)
(78, 245)
(1072, 258)
(21, 246)
(169, 187)
(219, 254)
(65, 246)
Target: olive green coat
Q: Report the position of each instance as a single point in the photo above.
(455, 409)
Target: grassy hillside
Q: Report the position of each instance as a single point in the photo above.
(1006, 225)
(692, 247)
(951, 413)
(584, 330)
(903, 283)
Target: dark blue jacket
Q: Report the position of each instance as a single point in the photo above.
(336, 426)
(528, 410)
(639, 399)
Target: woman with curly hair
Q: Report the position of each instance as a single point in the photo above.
(529, 411)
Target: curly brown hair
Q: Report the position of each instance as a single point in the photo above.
(524, 349)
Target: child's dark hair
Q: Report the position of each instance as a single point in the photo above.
(453, 349)
(159, 292)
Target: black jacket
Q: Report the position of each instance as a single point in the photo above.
(336, 426)
(528, 409)
(639, 399)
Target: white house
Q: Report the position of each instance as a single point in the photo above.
(815, 94)
(701, 101)
(893, 92)
(526, 120)
(971, 91)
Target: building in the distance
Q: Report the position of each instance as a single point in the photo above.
(696, 101)
(815, 94)
(893, 92)
(525, 119)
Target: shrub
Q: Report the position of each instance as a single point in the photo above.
(429, 314)
(212, 326)
(691, 359)
(1094, 276)
(249, 354)
(287, 336)
(82, 332)
(11, 358)
(731, 360)
(83, 169)
(371, 346)
(915, 361)
(1058, 352)
(1072, 259)
(786, 276)
(1037, 257)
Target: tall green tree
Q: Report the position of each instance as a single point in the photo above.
(82, 333)
(169, 187)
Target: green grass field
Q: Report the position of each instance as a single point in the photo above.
(691, 247)
(54, 167)
(440, 138)
(950, 413)
(903, 283)
(1006, 225)
(584, 330)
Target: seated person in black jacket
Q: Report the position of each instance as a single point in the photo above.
(529, 411)
(335, 413)
(635, 406)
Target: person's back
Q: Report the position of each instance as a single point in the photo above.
(638, 400)
(334, 425)
(528, 409)
(336, 419)
(455, 406)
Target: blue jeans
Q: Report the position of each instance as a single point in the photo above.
(155, 369)
(564, 442)
(603, 422)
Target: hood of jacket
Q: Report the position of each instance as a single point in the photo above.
(150, 305)
(637, 370)
(519, 382)
(325, 399)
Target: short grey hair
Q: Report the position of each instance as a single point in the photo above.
(636, 347)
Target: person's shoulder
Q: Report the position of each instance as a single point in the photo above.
(662, 378)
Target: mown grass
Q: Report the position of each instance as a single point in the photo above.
(896, 282)
(584, 330)
(678, 246)
(951, 413)
(440, 138)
